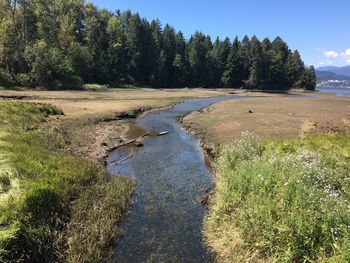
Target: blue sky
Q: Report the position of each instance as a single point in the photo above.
(319, 29)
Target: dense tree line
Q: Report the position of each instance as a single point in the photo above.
(58, 43)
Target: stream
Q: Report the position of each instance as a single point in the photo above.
(166, 218)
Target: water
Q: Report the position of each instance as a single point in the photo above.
(166, 219)
(336, 90)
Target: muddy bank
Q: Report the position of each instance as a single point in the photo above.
(268, 117)
(94, 138)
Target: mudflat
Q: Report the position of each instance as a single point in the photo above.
(270, 116)
(91, 120)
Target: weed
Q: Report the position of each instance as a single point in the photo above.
(282, 201)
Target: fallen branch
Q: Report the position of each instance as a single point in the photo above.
(163, 133)
(128, 142)
(122, 160)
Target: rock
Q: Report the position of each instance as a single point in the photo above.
(139, 144)
(203, 200)
(104, 144)
(250, 111)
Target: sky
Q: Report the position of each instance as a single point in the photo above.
(319, 29)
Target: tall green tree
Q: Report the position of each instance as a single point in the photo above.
(256, 79)
(180, 63)
(309, 79)
(69, 42)
(219, 55)
(198, 49)
(233, 74)
(168, 55)
(294, 69)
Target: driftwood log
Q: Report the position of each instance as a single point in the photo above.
(127, 143)
(122, 160)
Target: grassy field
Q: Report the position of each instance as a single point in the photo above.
(282, 200)
(53, 207)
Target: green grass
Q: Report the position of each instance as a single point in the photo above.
(282, 201)
(95, 87)
(53, 207)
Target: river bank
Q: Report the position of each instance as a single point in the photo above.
(94, 121)
(61, 155)
(265, 206)
(268, 116)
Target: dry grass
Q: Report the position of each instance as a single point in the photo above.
(307, 127)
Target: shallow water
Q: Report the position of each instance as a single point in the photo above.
(171, 174)
(336, 90)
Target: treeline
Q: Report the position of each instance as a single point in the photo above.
(64, 43)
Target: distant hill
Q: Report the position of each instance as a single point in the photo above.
(328, 75)
(344, 71)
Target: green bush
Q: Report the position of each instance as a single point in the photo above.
(95, 87)
(6, 78)
(282, 201)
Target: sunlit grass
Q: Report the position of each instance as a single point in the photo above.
(282, 201)
(95, 87)
(49, 199)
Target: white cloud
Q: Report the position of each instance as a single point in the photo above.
(348, 61)
(347, 52)
(327, 62)
(331, 54)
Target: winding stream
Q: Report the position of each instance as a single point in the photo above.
(171, 174)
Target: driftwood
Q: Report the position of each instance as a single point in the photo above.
(163, 133)
(122, 160)
(128, 142)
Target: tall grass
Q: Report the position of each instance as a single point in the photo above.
(282, 201)
(53, 207)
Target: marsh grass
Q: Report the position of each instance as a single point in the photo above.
(282, 201)
(95, 87)
(53, 207)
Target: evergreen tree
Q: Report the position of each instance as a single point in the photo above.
(69, 42)
(180, 63)
(256, 79)
(294, 69)
(245, 50)
(232, 76)
(219, 55)
(156, 31)
(168, 55)
(198, 49)
(309, 79)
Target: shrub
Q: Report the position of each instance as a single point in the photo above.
(282, 204)
(95, 87)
